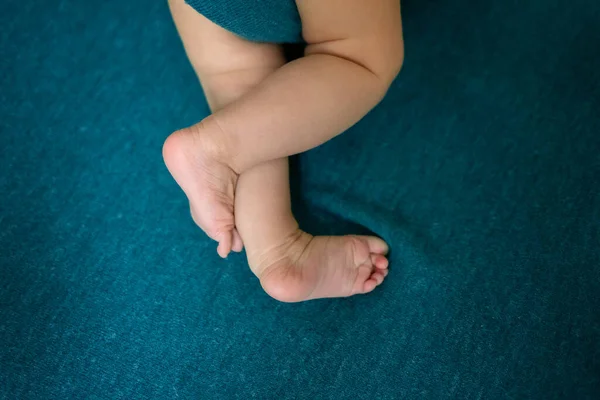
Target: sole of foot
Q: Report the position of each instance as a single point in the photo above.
(191, 157)
(309, 267)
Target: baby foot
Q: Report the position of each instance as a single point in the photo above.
(306, 267)
(192, 157)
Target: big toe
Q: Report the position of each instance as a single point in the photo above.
(376, 245)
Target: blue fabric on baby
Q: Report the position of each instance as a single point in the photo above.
(260, 20)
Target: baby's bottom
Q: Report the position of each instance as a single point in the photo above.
(291, 264)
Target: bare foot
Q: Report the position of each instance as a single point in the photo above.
(192, 158)
(305, 267)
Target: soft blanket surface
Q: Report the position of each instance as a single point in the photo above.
(481, 168)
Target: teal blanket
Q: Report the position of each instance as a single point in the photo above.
(481, 168)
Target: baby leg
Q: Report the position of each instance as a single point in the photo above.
(291, 264)
(227, 67)
(354, 52)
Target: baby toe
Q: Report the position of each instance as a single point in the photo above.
(376, 245)
(379, 261)
(377, 277)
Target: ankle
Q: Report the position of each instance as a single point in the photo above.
(287, 249)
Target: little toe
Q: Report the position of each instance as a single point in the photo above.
(237, 245)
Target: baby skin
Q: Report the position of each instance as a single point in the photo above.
(265, 110)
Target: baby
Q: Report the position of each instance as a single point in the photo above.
(265, 110)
